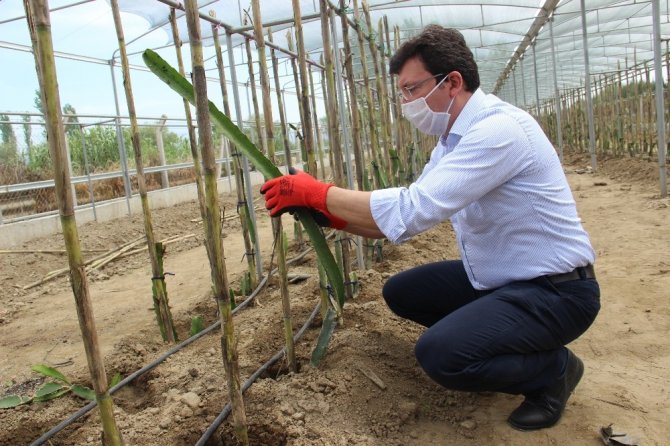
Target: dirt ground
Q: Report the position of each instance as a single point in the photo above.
(626, 352)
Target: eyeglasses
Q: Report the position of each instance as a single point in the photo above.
(405, 92)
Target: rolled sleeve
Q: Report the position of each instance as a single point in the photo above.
(386, 213)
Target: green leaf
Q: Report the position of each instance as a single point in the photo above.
(50, 391)
(179, 84)
(115, 380)
(13, 400)
(327, 329)
(83, 392)
(50, 372)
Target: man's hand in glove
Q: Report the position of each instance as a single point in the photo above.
(299, 190)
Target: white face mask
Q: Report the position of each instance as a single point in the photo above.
(423, 118)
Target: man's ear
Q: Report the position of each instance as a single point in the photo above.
(455, 79)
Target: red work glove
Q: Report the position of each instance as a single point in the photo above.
(300, 190)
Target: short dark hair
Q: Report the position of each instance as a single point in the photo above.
(442, 50)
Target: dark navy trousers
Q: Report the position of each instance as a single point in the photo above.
(511, 339)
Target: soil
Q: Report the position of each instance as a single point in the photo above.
(369, 389)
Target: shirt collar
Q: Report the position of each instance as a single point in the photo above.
(467, 114)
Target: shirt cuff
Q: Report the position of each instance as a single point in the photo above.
(384, 205)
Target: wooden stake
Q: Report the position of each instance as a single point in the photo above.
(213, 227)
(38, 13)
(304, 87)
(276, 221)
(260, 136)
(243, 212)
(189, 120)
(158, 283)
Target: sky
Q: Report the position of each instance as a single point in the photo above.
(88, 30)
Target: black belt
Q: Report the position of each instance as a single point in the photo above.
(580, 273)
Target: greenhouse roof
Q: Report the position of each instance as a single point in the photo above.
(505, 35)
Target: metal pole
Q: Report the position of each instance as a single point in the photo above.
(119, 141)
(660, 103)
(587, 93)
(245, 162)
(523, 82)
(559, 127)
(516, 97)
(537, 89)
(88, 174)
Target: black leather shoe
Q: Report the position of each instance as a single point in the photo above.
(545, 407)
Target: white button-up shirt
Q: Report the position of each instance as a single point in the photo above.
(499, 180)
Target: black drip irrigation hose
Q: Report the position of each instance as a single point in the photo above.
(252, 378)
(87, 408)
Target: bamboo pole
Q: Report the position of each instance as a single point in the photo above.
(297, 229)
(353, 103)
(296, 81)
(395, 106)
(317, 130)
(37, 12)
(324, 90)
(189, 120)
(304, 89)
(161, 303)
(243, 211)
(334, 132)
(254, 98)
(381, 98)
(280, 103)
(213, 227)
(372, 128)
(276, 221)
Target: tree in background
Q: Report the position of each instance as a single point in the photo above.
(28, 136)
(8, 149)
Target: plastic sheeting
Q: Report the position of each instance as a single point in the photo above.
(619, 33)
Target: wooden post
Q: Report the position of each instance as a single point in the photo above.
(260, 136)
(197, 169)
(353, 103)
(276, 221)
(307, 131)
(37, 13)
(385, 161)
(161, 303)
(213, 227)
(242, 206)
(333, 125)
(372, 127)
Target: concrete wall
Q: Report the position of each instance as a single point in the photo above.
(12, 235)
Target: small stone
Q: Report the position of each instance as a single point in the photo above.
(154, 410)
(164, 423)
(191, 399)
(186, 412)
(193, 372)
(298, 416)
(469, 424)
